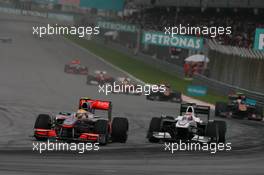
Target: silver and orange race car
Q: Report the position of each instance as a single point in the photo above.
(75, 67)
(88, 124)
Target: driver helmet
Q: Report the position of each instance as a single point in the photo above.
(81, 113)
(87, 107)
(126, 80)
(242, 97)
(189, 113)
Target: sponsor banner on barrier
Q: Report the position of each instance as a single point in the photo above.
(10, 10)
(259, 39)
(46, 1)
(61, 17)
(117, 26)
(34, 13)
(251, 102)
(180, 41)
(197, 90)
(69, 2)
(117, 5)
(23, 12)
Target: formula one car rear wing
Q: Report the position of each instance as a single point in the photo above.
(76, 61)
(198, 109)
(97, 105)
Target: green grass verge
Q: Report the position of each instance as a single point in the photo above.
(142, 71)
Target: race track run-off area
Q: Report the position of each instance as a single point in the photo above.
(32, 81)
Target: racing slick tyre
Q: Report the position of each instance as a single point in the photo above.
(101, 128)
(43, 121)
(216, 131)
(156, 98)
(259, 111)
(119, 129)
(90, 79)
(66, 67)
(220, 107)
(148, 97)
(176, 98)
(154, 127)
(211, 130)
(221, 130)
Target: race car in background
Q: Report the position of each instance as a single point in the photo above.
(126, 87)
(239, 106)
(6, 39)
(69, 127)
(168, 95)
(187, 127)
(75, 67)
(100, 78)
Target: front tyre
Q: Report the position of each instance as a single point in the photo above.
(119, 129)
(101, 128)
(220, 107)
(154, 126)
(221, 131)
(216, 130)
(43, 121)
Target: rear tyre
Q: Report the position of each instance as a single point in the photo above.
(119, 129)
(66, 68)
(259, 111)
(154, 127)
(216, 130)
(89, 80)
(220, 107)
(43, 121)
(101, 128)
(149, 97)
(111, 81)
(156, 97)
(211, 131)
(221, 131)
(176, 98)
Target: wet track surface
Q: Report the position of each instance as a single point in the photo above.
(32, 81)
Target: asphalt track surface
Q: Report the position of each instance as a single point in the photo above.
(32, 81)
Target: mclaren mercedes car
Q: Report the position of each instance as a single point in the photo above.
(75, 67)
(91, 123)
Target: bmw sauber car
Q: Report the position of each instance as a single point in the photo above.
(187, 127)
(75, 67)
(100, 78)
(168, 95)
(89, 128)
(239, 106)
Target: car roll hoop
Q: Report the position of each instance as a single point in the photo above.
(196, 109)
